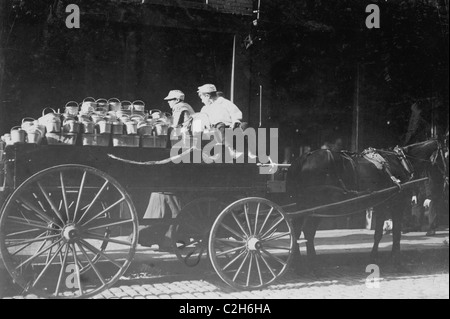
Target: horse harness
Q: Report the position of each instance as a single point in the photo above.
(373, 156)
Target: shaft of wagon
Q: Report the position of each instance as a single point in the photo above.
(358, 203)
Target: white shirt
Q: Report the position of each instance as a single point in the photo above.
(222, 110)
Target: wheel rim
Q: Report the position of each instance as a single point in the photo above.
(251, 243)
(192, 229)
(61, 232)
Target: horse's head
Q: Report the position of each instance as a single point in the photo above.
(420, 154)
(430, 156)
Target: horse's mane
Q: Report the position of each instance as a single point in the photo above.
(421, 150)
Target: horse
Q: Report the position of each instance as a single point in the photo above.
(323, 177)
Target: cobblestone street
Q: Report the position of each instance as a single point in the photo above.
(341, 275)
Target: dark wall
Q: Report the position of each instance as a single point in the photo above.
(47, 65)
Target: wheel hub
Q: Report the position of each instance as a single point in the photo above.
(253, 244)
(70, 232)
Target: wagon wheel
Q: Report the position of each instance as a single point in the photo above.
(251, 243)
(193, 224)
(60, 232)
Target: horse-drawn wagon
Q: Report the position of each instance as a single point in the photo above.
(70, 217)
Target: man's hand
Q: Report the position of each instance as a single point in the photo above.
(236, 125)
(427, 203)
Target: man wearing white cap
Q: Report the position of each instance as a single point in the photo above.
(165, 205)
(181, 111)
(219, 109)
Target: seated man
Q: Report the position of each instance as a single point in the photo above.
(221, 112)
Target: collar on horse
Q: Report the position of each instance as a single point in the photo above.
(404, 161)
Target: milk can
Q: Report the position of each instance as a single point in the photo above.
(145, 127)
(103, 103)
(161, 128)
(117, 127)
(51, 121)
(139, 106)
(114, 104)
(156, 114)
(34, 135)
(88, 105)
(88, 126)
(71, 125)
(71, 108)
(103, 127)
(17, 135)
(131, 127)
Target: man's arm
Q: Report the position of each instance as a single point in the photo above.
(235, 113)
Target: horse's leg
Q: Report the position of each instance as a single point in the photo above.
(309, 230)
(297, 265)
(398, 209)
(379, 213)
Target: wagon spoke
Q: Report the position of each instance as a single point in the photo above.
(93, 201)
(239, 224)
(230, 241)
(273, 227)
(273, 257)
(24, 232)
(92, 265)
(37, 254)
(256, 218)
(20, 221)
(105, 210)
(47, 265)
(51, 203)
(277, 247)
(30, 241)
(63, 268)
(80, 192)
(267, 218)
(96, 251)
(232, 231)
(249, 269)
(64, 195)
(268, 266)
(234, 260)
(77, 269)
(259, 270)
(29, 206)
(247, 219)
(240, 267)
(27, 245)
(280, 235)
(230, 251)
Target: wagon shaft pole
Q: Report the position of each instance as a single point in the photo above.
(358, 203)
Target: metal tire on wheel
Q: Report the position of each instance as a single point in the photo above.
(60, 232)
(251, 243)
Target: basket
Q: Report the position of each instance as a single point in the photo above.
(154, 141)
(61, 139)
(96, 140)
(125, 140)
